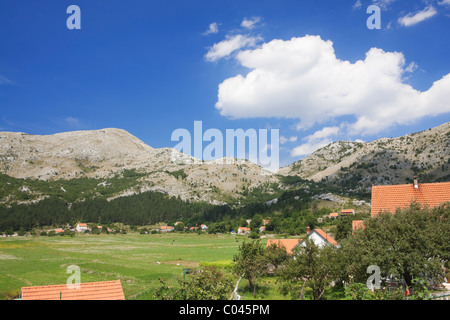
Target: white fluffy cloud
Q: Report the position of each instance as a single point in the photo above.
(302, 79)
(250, 23)
(315, 141)
(412, 19)
(213, 28)
(229, 45)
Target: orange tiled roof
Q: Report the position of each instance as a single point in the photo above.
(82, 225)
(357, 224)
(289, 244)
(333, 214)
(326, 236)
(348, 211)
(105, 290)
(391, 197)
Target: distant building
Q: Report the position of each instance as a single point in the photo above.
(389, 198)
(333, 215)
(166, 228)
(243, 230)
(357, 224)
(319, 237)
(204, 227)
(81, 227)
(347, 212)
(288, 244)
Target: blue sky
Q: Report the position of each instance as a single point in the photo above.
(312, 69)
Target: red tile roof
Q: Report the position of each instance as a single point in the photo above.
(391, 197)
(289, 244)
(357, 224)
(348, 211)
(326, 236)
(333, 215)
(105, 290)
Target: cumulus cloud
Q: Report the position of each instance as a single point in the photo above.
(302, 79)
(250, 23)
(230, 45)
(284, 139)
(412, 19)
(315, 141)
(213, 28)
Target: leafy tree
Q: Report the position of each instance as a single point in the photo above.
(179, 227)
(412, 243)
(256, 222)
(276, 255)
(343, 227)
(207, 284)
(312, 267)
(250, 262)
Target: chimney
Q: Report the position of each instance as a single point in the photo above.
(308, 230)
(416, 183)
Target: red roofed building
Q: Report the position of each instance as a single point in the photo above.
(346, 212)
(289, 244)
(392, 197)
(320, 238)
(333, 215)
(105, 290)
(357, 224)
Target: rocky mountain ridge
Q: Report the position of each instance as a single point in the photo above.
(352, 167)
(359, 165)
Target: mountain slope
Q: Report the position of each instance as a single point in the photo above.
(108, 153)
(357, 166)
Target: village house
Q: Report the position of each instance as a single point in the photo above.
(357, 224)
(204, 227)
(81, 227)
(389, 198)
(262, 229)
(288, 244)
(319, 237)
(104, 290)
(333, 215)
(166, 228)
(244, 230)
(347, 212)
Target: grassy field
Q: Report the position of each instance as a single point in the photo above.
(132, 258)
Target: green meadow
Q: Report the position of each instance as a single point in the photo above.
(138, 260)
